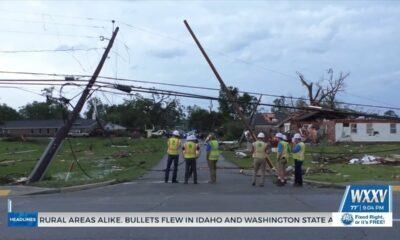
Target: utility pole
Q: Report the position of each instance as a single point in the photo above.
(56, 142)
(225, 89)
(253, 112)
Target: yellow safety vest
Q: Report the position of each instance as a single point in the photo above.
(214, 153)
(173, 146)
(286, 150)
(259, 149)
(300, 155)
(190, 149)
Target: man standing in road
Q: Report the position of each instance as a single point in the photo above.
(173, 156)
(212, 157)
(282, 157)
(298, 155)
(190, 153)
(259, 151)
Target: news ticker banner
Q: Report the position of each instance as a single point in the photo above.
(362, 206)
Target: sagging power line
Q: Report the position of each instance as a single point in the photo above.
(197, 87)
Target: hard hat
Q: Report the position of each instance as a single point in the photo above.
(191, 138)
(261, 135)
(175, 133)
(297, 136)
(279, 135)
(284, 137)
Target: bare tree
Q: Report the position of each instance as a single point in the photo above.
(324, 94)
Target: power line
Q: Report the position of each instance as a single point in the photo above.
(53, 23)
(49, 50)
(56, 15)
(47, 33)
(164, 36)
(199, 96)
(197, 87)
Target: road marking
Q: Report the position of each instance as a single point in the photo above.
(4, 193)
(396, 188)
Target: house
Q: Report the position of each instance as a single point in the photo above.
(266, 122)
(336, 126)
(45, 128)
(367, 130)
(112, 127)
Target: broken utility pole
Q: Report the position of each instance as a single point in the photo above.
(225, 89)
(55, 143)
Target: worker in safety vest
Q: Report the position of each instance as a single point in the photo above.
(259, 150)
(298, 151)
(173, 156)
(283, 154)
(191, 152)
(212, 157)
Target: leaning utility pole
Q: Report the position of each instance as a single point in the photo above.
(225, 89)
(54, 145)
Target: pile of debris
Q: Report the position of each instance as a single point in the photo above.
(366, 160)
(393, 159)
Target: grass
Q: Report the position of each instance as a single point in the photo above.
(330, 162)
(101, 158)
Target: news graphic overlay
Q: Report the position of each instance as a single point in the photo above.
(365, 206)
(21, 219)
(361, 206)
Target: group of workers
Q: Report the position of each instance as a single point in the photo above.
(260, 150)
(191, 151)
(285, 152)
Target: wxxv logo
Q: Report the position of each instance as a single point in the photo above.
(367, 199)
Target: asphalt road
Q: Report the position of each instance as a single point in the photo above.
(232, 193)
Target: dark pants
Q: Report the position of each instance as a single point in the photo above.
(190, 167)
(298, 175)
(175, 159)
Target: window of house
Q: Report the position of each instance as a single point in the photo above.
(393, 129)
(31, 130)
(40, 130)
(346, 124)
(353, 128)
(370, 129)
(48, 131)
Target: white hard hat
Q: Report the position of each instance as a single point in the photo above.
(175, 133)
(284, 137)
(191, 138)
(279, 135)
(261, 135)
(297, 136)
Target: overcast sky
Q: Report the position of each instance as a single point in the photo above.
(256, 45)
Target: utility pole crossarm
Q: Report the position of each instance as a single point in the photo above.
(55, 143)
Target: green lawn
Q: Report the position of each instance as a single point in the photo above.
(330, 162)
(101, 158)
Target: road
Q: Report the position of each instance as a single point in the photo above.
(232, 193)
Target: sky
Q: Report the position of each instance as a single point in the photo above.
(257, 46)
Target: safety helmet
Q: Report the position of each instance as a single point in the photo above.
(279, 135)
(284, 137)
(175, 133)
(191, 138)
(297, 136)
(261, 135)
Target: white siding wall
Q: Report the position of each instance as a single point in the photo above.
(344, 134)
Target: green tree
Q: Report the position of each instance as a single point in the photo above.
(8, 113)
(245, 101)
(203, 120)
(390, 113)
(101, 108)
(42, 111)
